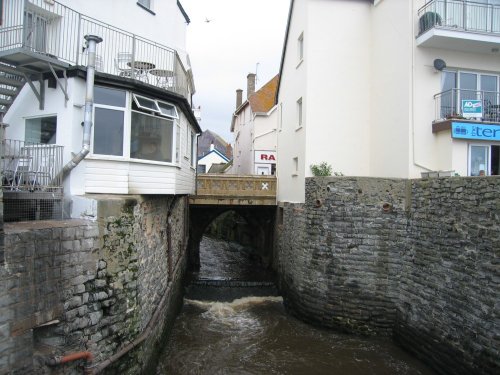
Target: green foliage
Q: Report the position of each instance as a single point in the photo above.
(322, 169)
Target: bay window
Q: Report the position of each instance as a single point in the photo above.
(146, 129)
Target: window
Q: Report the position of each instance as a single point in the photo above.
(151, 137)
(464, 85)
(295, 166)
(300, 47)
(41, 130)
(141, 128)
(152, 130)
(484, 160)
(109, 121)
(299, 113)
(193, 149)
(156, 106)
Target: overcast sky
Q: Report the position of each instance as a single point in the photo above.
(239, 35)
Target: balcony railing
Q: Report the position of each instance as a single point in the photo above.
(31, 167)
(53, 30)
(460, 15)
(449, 104)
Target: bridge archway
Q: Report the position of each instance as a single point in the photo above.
(260, 220)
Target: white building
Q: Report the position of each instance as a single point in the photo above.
(143, 138)
(254, 127)
(371, 88)
(213, 156)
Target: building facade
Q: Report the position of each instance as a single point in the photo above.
(143, 131)
(254, 128)
(389, 88)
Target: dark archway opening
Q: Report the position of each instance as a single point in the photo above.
(234, 248)
(230, 251)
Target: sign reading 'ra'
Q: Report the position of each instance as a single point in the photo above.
(265, 157)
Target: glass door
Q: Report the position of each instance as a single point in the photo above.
(35, 32)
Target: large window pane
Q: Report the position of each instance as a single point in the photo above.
(41, 130)
(151, 138)
(108, 132)
(478, 160)
(490, 89)
(103, 95)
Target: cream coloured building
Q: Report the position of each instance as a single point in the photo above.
(254, 128)
(389, 88)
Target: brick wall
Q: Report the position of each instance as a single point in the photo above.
(92, 285)
(413, 259)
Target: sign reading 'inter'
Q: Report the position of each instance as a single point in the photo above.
(467, 130)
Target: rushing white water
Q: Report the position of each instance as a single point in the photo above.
(256, 336)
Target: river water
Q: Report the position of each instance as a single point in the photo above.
(255, 335)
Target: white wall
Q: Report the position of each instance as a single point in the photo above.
(243, 145)
(338, 113)
(209, 159)
(293, 85)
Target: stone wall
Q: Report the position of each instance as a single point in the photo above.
(93, 286)
(414, 259)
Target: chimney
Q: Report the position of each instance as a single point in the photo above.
(239, 98)
(212, 146)
(250, 84)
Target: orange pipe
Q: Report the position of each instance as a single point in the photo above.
(87, 356)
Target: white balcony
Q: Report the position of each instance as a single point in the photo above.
(38, 33)
(461, 25)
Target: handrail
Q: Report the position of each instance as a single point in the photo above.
(448, 104)
(55, 30)
(463, 15)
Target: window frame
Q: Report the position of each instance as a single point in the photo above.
(26, 119)
(126, 127)
(300, 113)
(300, 49)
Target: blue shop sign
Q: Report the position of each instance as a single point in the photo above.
(472, 108)
(466, 130)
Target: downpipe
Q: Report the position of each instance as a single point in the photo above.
(87, 356)
(92, 41)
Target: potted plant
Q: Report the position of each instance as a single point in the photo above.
(428, 21)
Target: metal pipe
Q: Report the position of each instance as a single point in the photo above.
(87, 356)
(92, 41)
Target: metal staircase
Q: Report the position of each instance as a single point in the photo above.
(11, 82)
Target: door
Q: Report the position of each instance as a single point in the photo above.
(35, 32)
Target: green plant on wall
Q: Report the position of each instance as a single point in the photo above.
(321, 169)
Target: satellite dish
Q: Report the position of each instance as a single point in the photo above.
(439, 64)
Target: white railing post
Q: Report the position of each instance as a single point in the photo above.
(78, 39)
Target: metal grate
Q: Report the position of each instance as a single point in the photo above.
(31, 180)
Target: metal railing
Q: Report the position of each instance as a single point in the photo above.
(31, 167)
(449, 104)
(462, 15)
(54, 30)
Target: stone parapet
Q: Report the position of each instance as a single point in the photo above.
(415, 259)
(80, 285)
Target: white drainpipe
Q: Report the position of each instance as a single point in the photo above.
(92, 41)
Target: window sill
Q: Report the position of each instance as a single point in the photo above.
(146, 9)
(295, 175)
(122, 159)
(299, 63)
(299, 128)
